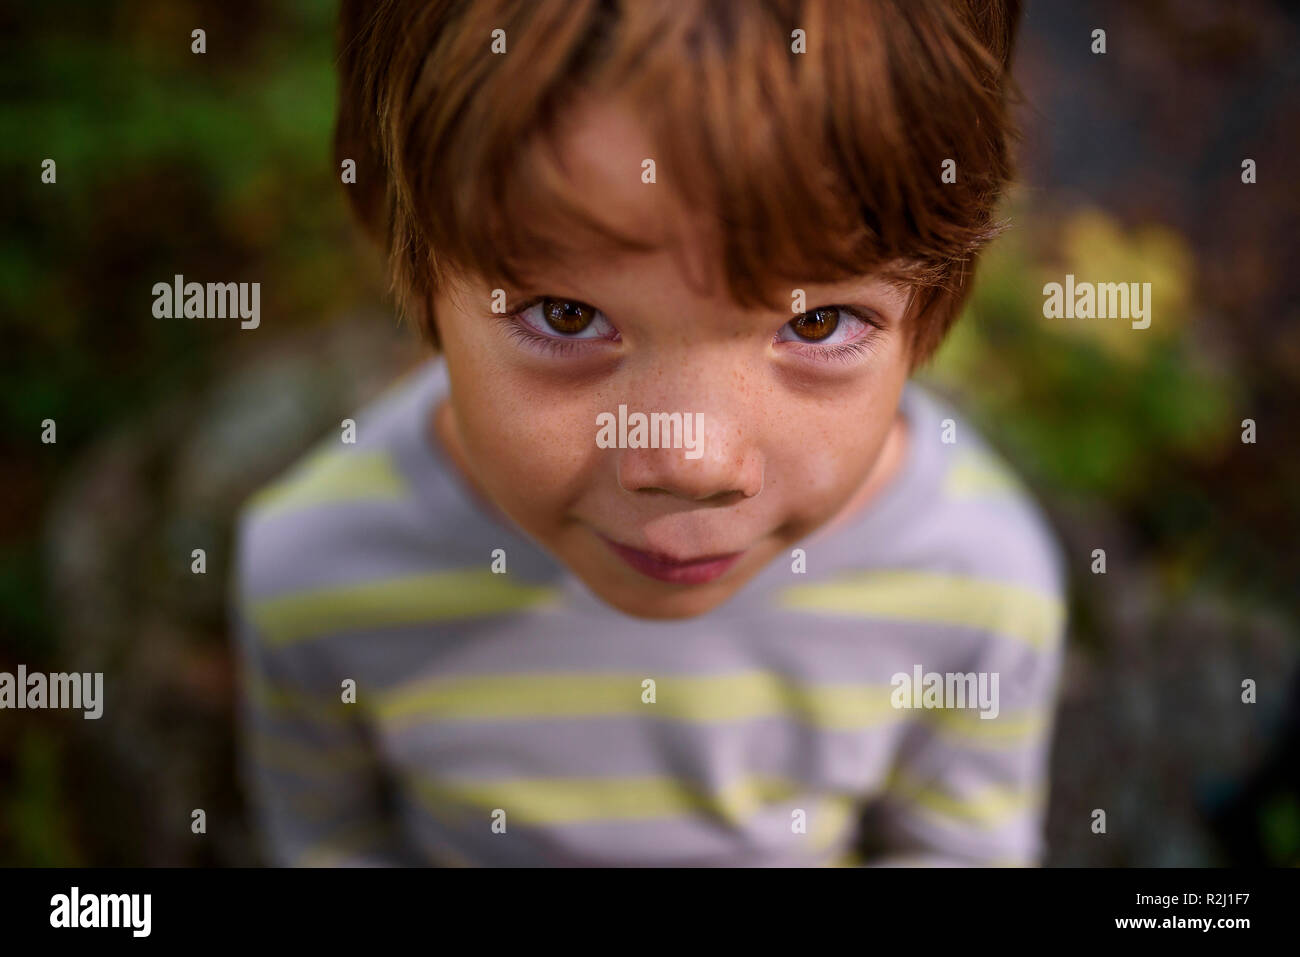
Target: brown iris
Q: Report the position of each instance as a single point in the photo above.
(567, 316)
(816, 325)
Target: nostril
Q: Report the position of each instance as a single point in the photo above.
(732, 497)
(713, 499)
(716, 479)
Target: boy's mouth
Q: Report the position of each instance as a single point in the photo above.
(676, 571)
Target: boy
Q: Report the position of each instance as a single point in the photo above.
(660, 562)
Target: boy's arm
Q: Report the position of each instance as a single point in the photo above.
(310, 776)
(967, 790)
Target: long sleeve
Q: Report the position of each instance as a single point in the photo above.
(310, 775)
(967, 790)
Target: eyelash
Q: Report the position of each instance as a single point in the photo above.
(558, 346)
(548, 344)
(519, 331)
(846, 351)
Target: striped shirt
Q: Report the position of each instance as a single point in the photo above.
(402, 703)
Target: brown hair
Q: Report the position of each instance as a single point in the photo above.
(818, 166)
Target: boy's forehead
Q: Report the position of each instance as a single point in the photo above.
(602, 147)
(610, 159)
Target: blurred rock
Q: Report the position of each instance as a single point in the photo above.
(118, 550)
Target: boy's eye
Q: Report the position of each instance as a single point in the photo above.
(816, 325)
(565, 318)
(825, 326)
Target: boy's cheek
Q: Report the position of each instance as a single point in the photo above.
(819, 459)
(813, 486)
(517, 444)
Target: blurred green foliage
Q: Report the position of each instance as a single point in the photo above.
(213, 165)
(1089, 406)
(33, 821)
(167, 161)
(1144, 421)
(1280, 824)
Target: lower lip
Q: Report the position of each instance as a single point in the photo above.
(675, 573)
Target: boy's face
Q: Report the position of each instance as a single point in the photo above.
(795, 412)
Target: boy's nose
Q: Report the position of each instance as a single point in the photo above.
(728, 468)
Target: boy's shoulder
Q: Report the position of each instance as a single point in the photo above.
(357, 463)
(969, 515)
(350, 504)
(956, 542)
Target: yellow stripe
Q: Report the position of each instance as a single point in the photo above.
(932, 598)
(743, 696)
(730, 697)
(548, 801)
(429, 597)
(539, 697)
(831, 820)
(978, 475)
(986, 807)
(698, 700)
(965, 726)
(330, 475)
